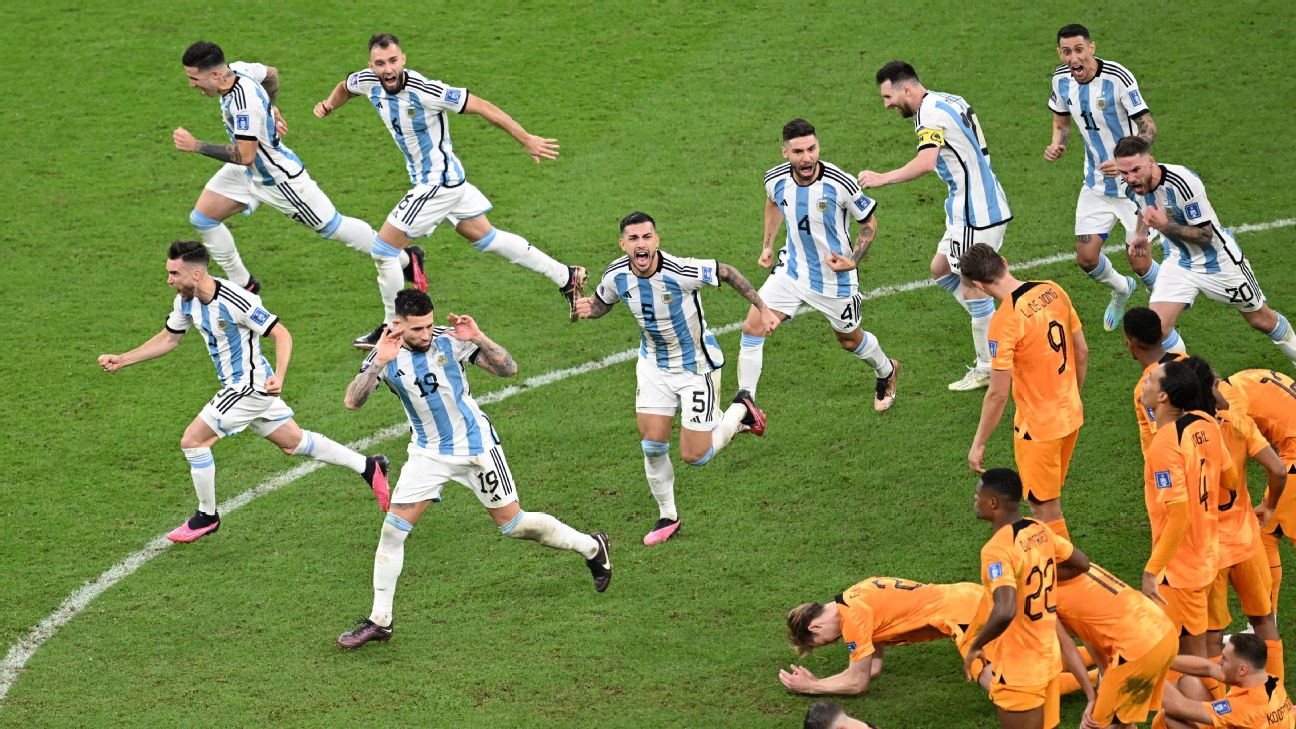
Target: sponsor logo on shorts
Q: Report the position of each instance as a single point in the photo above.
(242, 123)
(995, 570)
(1162, 479)
(259, 316)
(452, 96)
(1222, 707)
(994, 347)
(1193, 210)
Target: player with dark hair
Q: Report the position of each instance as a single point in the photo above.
(828, 715)
(1143, 339)
(1255, 698)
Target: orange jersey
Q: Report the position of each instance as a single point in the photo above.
(1266, 706)
(1034, 337)
(1271, 403)
(1110, 616)
(1146, 420)
(886, 611)
(1024, 555)
(1183, 464)
(1239, 530)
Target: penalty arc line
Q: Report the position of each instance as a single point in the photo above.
(21, 652)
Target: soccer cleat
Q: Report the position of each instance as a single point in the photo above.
(375, 474)
(975, 379)
(600, 565)
(755, 417)
(574, 289)
(198, 525)
(414, 272)
(368, 341)
(253, 285)
(1116, 309)
(664, 529)
(365, 631)
(886, 389)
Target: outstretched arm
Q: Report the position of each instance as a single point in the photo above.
(337, 98)
(851, 682)
(160, 344)
(538, 147)
(921, 164)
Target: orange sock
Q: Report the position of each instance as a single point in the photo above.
(1059, 528)
(1274, 666)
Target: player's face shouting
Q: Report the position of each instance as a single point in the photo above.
(417, 331)
(640, 242)
(204, 81)
(180, 276)
(389, 64)
(803, 153)
(1137, 172)
(1078, 55)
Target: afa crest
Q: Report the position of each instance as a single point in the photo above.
(1102, 104)
(441, 359)
(667, 297)
(821, 206)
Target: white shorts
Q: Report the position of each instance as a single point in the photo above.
(780, 293)
(959, 238)
(487, 475)
(418, 213)
(1097, 214)
(299, 198)
(1234, 285)
(236, 408)
(663, 393)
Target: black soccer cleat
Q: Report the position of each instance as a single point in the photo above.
(885, 393)
(415, 272)
(365, 631)
(253, 285)
(755, 417)
(600, 564)
(575, 288)
(368, 341)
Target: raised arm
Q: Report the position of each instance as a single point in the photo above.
(921, 164)
(271, 83)
(158, 345)
(358, 392)
(337, 98)
(490, 356)
(592, 307)
(538, 147)
(1147, 129)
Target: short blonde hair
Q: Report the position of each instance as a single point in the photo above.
(798, 627)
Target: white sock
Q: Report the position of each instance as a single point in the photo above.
(540, 527)
(516, 248)
(1107, 275)
(388, 561)
(322, 448)
(386, 259)
(751, 360)
(355, 233)
(871, 352)
(727, 427)
(982, 310)
(202, 469)
(1284, 338)
(220, 244)
(661, 477)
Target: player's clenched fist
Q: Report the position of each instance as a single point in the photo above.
(323, 109)
(584, 307)
(184, 141)
(110, 362)
(1054, 151)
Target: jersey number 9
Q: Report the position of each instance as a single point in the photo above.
(1057, 340)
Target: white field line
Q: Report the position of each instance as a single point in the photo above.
(22, 651)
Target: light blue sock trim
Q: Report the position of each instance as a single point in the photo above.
(202, 222)
(1149, 278)
(863, 344)
(705, 457)
(384, 249)
(398, 522)
(1104, 263)
(981, 308)
(751, 341)
(484, 242)
(1280, 331)
(950, 282)
(654, 448)
(328, 230)
(1171, 340)
(201, 460)
(506, 529)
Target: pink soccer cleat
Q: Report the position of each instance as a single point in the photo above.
(663, 530)
(375, 474)
(198, 525)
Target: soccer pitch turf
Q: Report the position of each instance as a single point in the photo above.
(667, 107)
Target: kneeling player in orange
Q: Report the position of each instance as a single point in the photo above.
(876, 613)
(1255, 699)
(1128, 636)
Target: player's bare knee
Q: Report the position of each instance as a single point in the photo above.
(1087, 254)
(695, 456)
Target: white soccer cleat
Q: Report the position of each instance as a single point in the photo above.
(1116, 309)
(975, 379)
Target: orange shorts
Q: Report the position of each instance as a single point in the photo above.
(1251, 581)
(1043, 465)
(963, 639)
(1186, 607)
(1283, 523)
(1127, 692)
(1025, 698)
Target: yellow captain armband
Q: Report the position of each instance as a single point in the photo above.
(930, 137)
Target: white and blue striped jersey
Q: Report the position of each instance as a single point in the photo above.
(668, 306)
(1104, 109)
(416, 118)
(1182, 196)
(232, 325)
(433, 386)
(976, 200)
(246, 111)
(815, 217)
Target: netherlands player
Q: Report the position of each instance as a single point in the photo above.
(1020, 638)
(877, 613)
(451, 440)
(259, 167)
(1143, 339)
(415, 111)
(1256, 699)
(1040, 357)
(1203, 256)
(1181, 492)
(817, 265)
(1103, 98)
(679, 358)
(951, 144)
(232, 322)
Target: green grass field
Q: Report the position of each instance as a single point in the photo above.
(670, 107)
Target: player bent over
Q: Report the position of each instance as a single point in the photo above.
(1255, 697)
(817, 265)
(452, 440)
(877, 613)
(232, 322)
(679, 358)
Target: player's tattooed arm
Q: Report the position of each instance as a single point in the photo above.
(1147, 129)
(358, 392)
(864, 239)
(1197, 235)
(222, 152)
(739, 283)
(597, 307)
(493, 358)
(271, 83)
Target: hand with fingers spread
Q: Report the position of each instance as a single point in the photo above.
(388, 345)
(464, 328)
(798, 679)
(540, 148)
